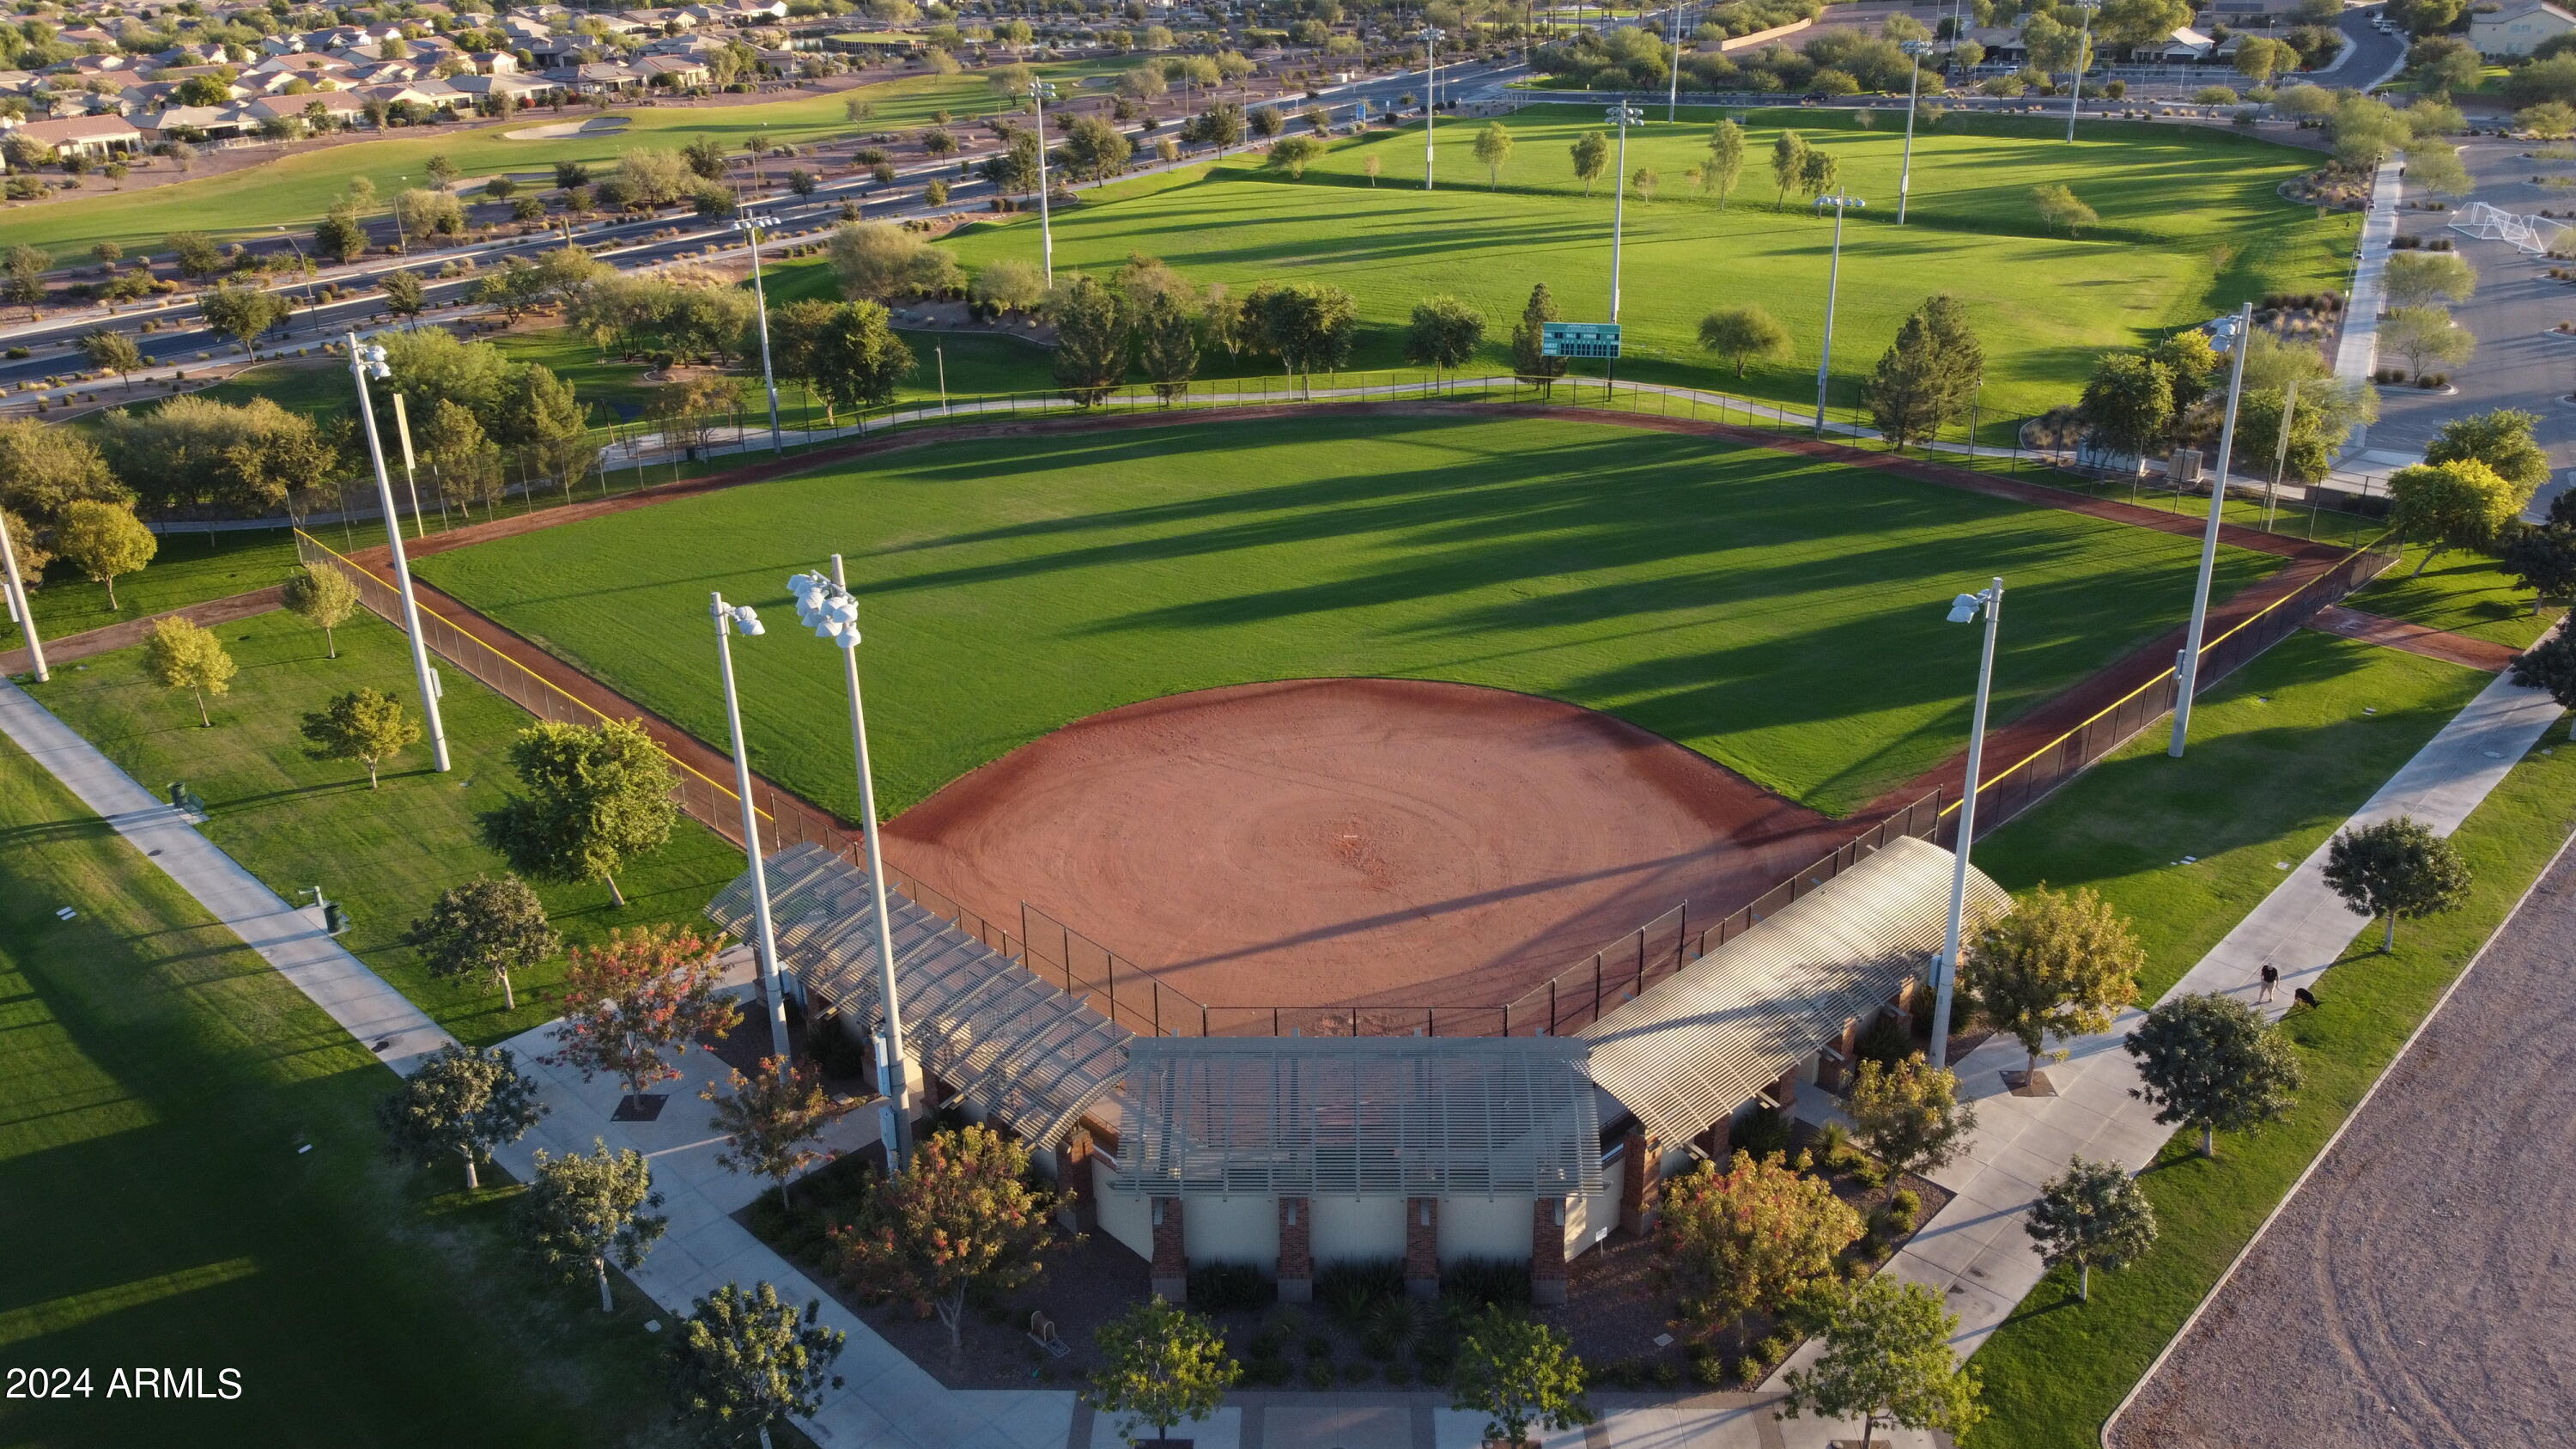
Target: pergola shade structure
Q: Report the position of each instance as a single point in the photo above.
(1019, 1051)
(1688, 1053)
(1365, 1117)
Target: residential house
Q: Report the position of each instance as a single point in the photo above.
(96, 137)
(2515, 29)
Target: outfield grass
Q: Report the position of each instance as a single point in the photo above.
(160, 1080)
(384, 854)
(1732, 599)
(2057, 1368)
(2191, 225)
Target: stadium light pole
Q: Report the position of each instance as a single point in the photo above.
(1623, 116)
(749, 224)
(1673, 97)
(1914, 49)
(19, 610)
(1042, 92)
(743, 619)
(1964, 609)
(2187, 668)
(2083, 52)
(1430, 99)
(1840, 202)
(826, 606)
(364, 361)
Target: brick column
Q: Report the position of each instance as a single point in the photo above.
(1547, 1251)
(1785, 1092)
(1644, 1158)
(1839, 1059)
(1422, 1247)
(1171, 1270)
(1296, 1255)
(1073, 1183)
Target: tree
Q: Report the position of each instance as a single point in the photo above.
(468, 462)
(361, 724)
(2436, 170)
(2259, 58)
(2544, 561)
(1887, 1355)
(1373, 166)
(2058, 207)
(1266, 121)
(460, 1102)
(43, 470)
(442, 172)
(2459, 504)
(1493, 148)
(2397, 868)
(405, 294)
(2424, 336)
(2058, 964)
(1293, 154)
(1725, 162)
(1160, 1365)
(879, 261)
(2550, 665)
(1167, 346)
(960, 1218)
(1591, 158)
(1909, 1114)
(22, 274)
(770, 1118)
(181, 655)
(2420, 278)
(1445, 333)
(1744, 334)
(2128, 404)
(482, 931)
(195, 254)
(1519, 1374)
(112, 352)
(2211, 1061)
(858, 361)
(1746, 1238)
(1095, 149)
(32, 556)
(1929, 374)
(582, 1213)
(1308, 326)
(645, 992)
(103, 540)
(2550, 120)
(745, 1357)
(2501, 439)
(2093, 1216)
(1528, 361)
(1788, 164)
(595, 798)
(538, 414)
(1091, 339)
(1818, 173)
(426, 213)
(245, 313)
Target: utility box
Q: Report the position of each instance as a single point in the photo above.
(2184, 470)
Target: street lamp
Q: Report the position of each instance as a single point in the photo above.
(1673, 30)
(1913, 85)
(826, 606)
(2083, 53)
(742, 619)
(1430, 98)
(2187, 668)
(1840, 202)
(749, 224)
(19, 609)
(364, 362)
(1042, 92)
(1964, 610)
(1623, 116)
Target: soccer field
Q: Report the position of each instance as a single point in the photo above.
(2191, 224)
(1782, 616)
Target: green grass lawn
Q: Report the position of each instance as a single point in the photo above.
(384, 854)
(2461, 592)
(2191, 225)
(160, 1080)
(1745, 603)
(2283, 754)
(189, 569)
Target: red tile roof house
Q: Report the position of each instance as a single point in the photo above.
(91, 136)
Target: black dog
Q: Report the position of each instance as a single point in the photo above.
(2305, 997)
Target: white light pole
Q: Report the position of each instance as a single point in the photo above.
(1914, 49)
(1430, 99)
(1840, 202)
(827, 607)
(1673, 97)
(743, 619)
(1964, 610)
(2083, 53)
(1042, 92)
(411, 479)
(363, 361)
(1621, 116)
(2187, 668)
(19, 609)
(749, 225)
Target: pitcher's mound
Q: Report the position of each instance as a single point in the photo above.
(1347, 842)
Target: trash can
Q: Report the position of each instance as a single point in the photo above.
(335, 921)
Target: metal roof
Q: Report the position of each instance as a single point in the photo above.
(1696, 1047)
(1019, 1051)
(1360, 1117)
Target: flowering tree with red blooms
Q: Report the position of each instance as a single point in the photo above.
(960, 1217)
(628, 1002)
(1749, 1237)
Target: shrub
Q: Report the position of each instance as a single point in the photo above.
(1358, 1371)
(1485, 1281)
(1761, 1132)
(1398, 1372)
(1223, 1287)
(1668, 1375)
(1319, 1373)
(1904, 1211)
(1316, 1345)
(1889, 1039)
(1706, 1369)
(1350, 1290)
